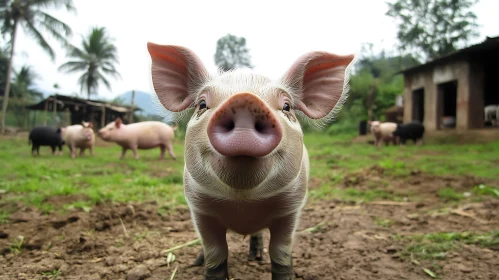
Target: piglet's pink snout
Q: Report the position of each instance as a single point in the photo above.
(244, 125)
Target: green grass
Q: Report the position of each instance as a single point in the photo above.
(16, 246)
(352, 194)
(330, 154)
(435, 246)
(449, 194)
(89, 180)
(53, 274)
(384, 222)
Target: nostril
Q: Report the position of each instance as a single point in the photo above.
(260, 127)
(227, 126)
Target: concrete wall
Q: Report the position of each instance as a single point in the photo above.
(469, 78)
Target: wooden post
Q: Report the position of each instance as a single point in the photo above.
(67, 117)
(55, 107)
(103, 116)
(130, 119)
(34, 118)
(45, 112)
(370, 102)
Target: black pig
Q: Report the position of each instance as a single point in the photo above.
(45, 136)
(413, 130)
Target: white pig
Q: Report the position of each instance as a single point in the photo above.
(79, 136)
(383, 132)
(140, 135)
(246, 166)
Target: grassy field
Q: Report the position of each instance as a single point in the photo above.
(431, 209)
(104, 177)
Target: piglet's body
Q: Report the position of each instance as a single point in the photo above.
(141, 135)
(412, 130)
(246, 166)
(45, 136)
(79, 136)
(383, 132)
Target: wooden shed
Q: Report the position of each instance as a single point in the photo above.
(452, 90)
(77, 110)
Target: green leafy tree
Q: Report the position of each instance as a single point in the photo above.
(232, 53)
(433, 27)
(23, 93)
(35, 21)
(375, 77)
(96, 59)
(4, 64)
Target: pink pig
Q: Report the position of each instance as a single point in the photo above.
(383, 132)
(246, 166)
(141, 135)
(79, 136)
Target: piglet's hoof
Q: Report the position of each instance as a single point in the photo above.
(280, 272)
(256, 247)
(199, 260)
(220, 272)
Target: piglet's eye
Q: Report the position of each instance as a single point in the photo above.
(286, 107)
(202, 104)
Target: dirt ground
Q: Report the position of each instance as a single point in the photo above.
(126, 241)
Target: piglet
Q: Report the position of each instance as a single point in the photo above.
(246, 166)
(413, 130)
(80, 136)
(45, 136)
(383, 132)
(140, 135)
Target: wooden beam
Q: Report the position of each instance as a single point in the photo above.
(103, 117)
(130, 118)
(45, 112)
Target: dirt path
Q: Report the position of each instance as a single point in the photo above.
(355, 241)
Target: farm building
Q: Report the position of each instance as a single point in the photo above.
(77, 110)
(453, 89)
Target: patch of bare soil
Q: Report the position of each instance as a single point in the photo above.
(126, 241)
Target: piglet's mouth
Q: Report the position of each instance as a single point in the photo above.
(242, 172)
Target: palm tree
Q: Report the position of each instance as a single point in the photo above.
(23, 92)
(97, 59)
(30, 15)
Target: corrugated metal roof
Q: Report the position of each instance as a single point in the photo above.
(490, 43)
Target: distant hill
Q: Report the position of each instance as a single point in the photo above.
(142, 100)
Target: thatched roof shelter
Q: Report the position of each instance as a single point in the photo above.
(98, 112)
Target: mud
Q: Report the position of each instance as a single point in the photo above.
(125, 241)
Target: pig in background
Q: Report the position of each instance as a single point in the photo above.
(491, 113)
(383, 132)
(246, 166)
(141, 135)
(413, 130)
(45, 136)
(80, 136)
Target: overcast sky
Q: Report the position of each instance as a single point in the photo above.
(277, 32)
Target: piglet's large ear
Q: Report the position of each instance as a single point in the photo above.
(176, 72)
(319, 77)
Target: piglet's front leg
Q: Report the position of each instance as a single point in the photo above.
(280, 247)
(256, 247)
(213, 237)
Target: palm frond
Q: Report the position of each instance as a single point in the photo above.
(35, 33)
(58, 29)
(68, 4)
(73, 66)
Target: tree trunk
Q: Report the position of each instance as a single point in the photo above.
(130, 118)
(370, 102)
(7, 83)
